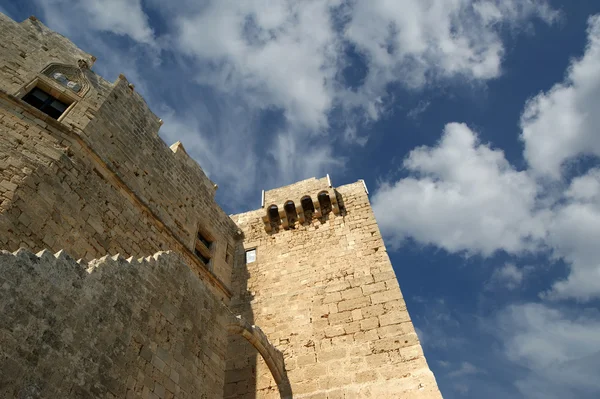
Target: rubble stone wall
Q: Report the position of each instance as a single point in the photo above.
(110, 328)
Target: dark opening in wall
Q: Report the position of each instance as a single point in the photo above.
(307, 204)
(228, 254)
(308, 207)
(207, 243)
(46, 103)
(203, 247)
(204, 259)
(324, 202)
(290, 212)
(274, 214)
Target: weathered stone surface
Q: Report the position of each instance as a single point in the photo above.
(128, 328)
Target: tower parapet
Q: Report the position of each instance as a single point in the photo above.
(299, 203)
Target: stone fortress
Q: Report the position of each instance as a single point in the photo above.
(121, 277)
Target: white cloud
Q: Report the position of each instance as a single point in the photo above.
(290, 54)
(561, 124)
(275, 54)
(284, 56)
(508, 277)
(318, 158)
(573, 234)
(416, 112)
(559, 348)
(465, 369)
(416, 42)
(461, 195)
(465, 196)
(492, 11)
(121, 17)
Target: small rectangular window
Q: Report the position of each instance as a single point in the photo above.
(204, 240)
(202, 248)
(45, 102)
(203, 258)
(251, 256)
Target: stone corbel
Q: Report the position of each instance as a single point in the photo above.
(300, 212)
(267, 223)
(283, 218)
(334, 204)
(317, 206)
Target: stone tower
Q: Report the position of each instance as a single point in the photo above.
(319, 282)
(296, 299)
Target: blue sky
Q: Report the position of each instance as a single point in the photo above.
(473, 122)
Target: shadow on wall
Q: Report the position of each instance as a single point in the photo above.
(246, 374)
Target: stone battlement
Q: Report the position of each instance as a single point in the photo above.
(300, 206)
(102, 294)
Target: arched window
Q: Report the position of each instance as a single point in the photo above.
(324, 202)
(290, 212)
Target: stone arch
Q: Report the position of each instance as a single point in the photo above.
(272, 357)
(68, 76)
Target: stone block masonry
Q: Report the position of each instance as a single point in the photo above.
(56, 193)
(325, 294)
(110, 328)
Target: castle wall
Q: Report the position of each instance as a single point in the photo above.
(55, 195)
(124, 133)
(108, 329)
(100, 180)
(326, 295)
(110, 131)
(28, 47)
